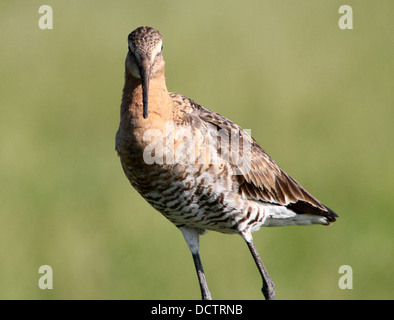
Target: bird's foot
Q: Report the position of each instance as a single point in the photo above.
(268, 289)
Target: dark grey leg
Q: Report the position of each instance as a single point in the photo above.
(192, 237)
(205, 294)
(268, 285)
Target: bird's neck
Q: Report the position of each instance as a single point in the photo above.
(159, 102)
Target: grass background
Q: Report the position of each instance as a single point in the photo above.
(319, 100)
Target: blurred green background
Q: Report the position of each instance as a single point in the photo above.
(319, 100)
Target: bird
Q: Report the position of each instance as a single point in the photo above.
(199, 169)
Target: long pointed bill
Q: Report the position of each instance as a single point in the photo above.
(145, 77)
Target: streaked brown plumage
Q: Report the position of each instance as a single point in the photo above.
(165, 145)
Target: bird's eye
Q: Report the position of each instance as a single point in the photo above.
(161, 49)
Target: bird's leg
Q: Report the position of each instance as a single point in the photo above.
(205, 294)
(268, 285)
(191, 236)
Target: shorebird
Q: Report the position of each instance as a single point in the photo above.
(199, 169)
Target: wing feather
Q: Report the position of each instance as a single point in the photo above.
(262, 180)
